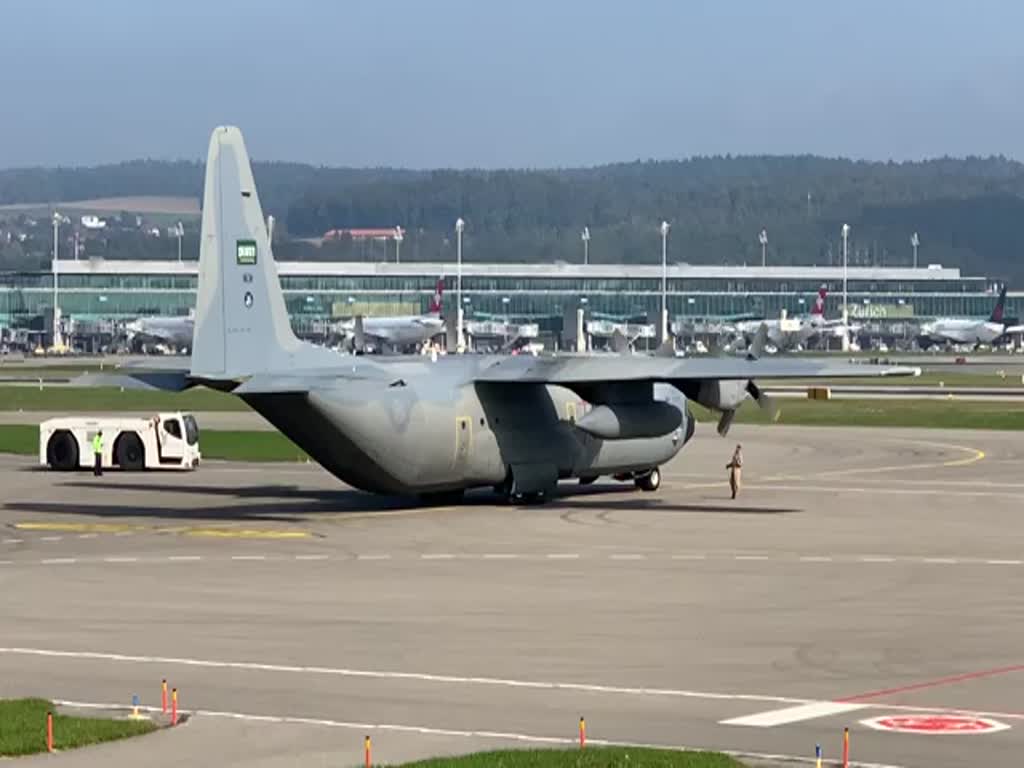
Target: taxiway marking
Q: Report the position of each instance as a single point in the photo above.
(456, 732)
(961, 678)
(397, 675)
(713, 558)
(797, 714)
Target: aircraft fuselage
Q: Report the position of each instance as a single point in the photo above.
(417, 437)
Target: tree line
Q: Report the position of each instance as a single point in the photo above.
(966, 211)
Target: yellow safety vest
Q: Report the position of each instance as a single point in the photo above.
(97, 444)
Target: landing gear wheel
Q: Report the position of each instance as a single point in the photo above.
(62, 451)
(129, 452)
(649, 482)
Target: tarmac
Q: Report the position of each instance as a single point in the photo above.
(862, 574)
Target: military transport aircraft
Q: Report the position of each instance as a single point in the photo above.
(437, 427)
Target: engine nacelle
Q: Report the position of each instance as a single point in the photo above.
(625, 421)
(721, 394)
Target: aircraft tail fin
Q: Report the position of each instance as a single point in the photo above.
(997, 311)
(436, 302)
(241, 322)
(818, 310)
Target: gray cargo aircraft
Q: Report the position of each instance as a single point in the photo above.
(437, 427)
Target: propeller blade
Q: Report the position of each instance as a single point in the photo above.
(756, 348)
(725, 421)
(763, 401)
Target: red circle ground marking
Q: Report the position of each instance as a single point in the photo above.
(935, 724)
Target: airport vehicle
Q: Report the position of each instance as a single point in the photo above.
(134, 443)
(416, 425)
(966, 330)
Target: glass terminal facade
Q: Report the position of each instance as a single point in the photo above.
(319, 292)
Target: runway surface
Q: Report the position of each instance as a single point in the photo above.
(861, 574)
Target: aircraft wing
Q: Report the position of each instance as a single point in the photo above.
(571, 371)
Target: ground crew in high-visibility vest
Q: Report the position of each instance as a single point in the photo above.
(97, 452)
(735, 467)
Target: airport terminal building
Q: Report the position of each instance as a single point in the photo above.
(319, 293)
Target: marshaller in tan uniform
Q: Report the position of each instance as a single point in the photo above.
(735, 467)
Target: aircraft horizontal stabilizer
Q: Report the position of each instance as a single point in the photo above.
(167, 381)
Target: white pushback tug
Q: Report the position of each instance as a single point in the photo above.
(135, 443)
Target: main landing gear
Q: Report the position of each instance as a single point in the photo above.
(650, 481)
(647, 480)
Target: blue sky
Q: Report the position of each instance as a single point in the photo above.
(457, 83)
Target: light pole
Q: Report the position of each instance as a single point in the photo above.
(179, 231)
(56, 253)
(585, 237)
(846, 316)
(664, 280)
(398, 245)
(459, 226)
(914, 242)
(763, 239)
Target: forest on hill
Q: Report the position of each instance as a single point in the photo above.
(967, 212)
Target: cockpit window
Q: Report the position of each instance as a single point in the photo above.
(191, 430)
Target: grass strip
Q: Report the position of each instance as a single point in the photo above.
(926, 413)
(23, 439)
(85, 399)
(23, 728)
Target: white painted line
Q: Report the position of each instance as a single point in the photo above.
(13, 541)
(878, 559)
(373, 557)
(455, 732)
(797, 714)
(184, 558)
(120, 559)
(940, 560)
(443, 556)
(689, 557)
(751, 557)
(392, 675)
(563, 556)
(58, 560)
(51, 538)
(87, 535)
(6, 562)
(311, 557)
(815, 559)
(1005, 562)
(248, 557)
(628, 557)
(499, 556)
(124, 533)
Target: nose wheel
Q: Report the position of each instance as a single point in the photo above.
(649, 481)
